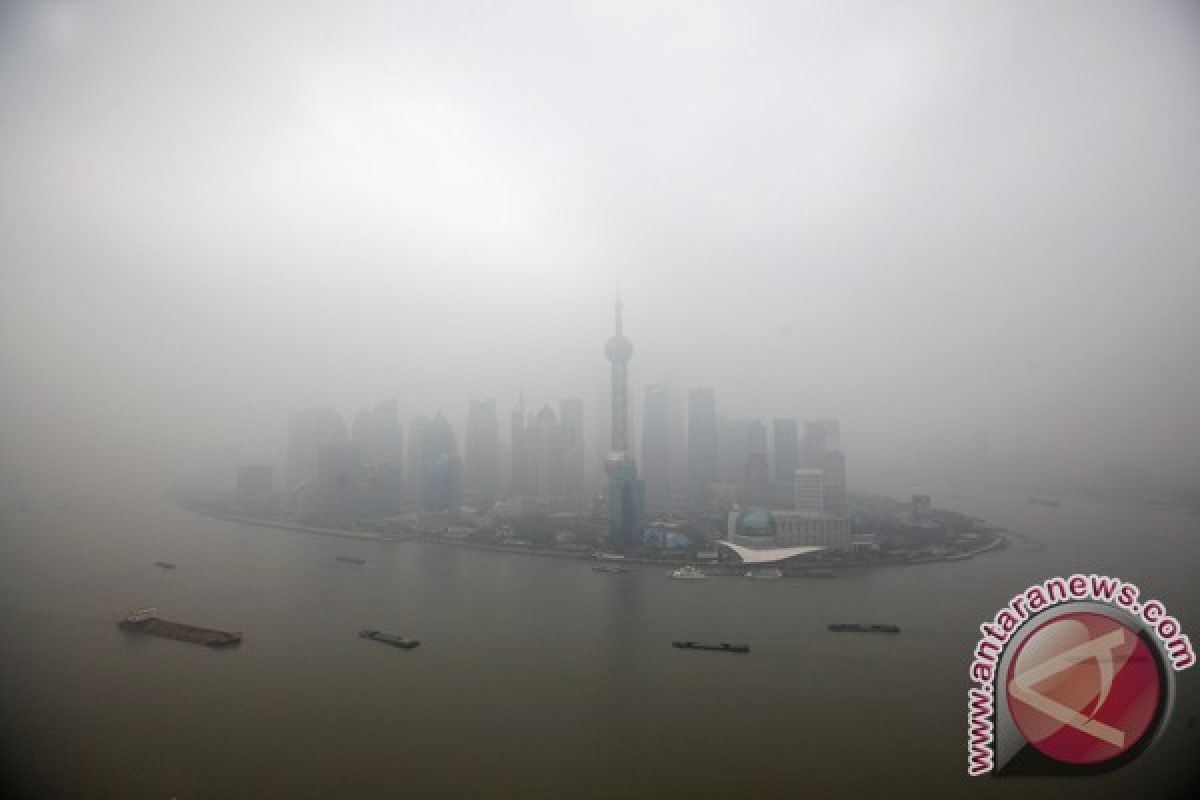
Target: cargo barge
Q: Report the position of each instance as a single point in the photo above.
(389, 638)
(860, 628)
(144, 621)
(722, 647)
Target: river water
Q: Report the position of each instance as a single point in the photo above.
(536, 676)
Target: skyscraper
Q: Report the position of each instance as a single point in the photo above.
(308, 431)
(809, 491)
(570, 414)
(656, 446)
(758, 482)
(702, 443)
(482, 454)
(546, 440)
(379, 443)
(786, 435)
(414, 461)
(440, 472)
(822, 450)
(518, 449)
(626, 493)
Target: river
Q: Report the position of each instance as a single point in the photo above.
(536, 676)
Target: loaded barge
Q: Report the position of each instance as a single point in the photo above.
(722, 647)
(144, 621)
(389, 638)
(860, 628)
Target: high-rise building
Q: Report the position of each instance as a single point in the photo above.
(758, 481)
(308, 430)
(482, 454)
(340, 480)
(809, 491)
(547, 445)
(414, 461)
(440, 470)
(518, 447)
(786, 435)
(570, 414)
(822, 449)
(820, 436)
(701, 443)
(626, 492)
(656, 447)
(376, 434)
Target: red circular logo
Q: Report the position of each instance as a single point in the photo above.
(1083, 688)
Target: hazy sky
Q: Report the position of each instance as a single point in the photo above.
(929, 219)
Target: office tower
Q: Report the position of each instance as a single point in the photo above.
(656, 447)
(482, 454)
(758, 480)
(809, 491)
(701, 443)
(340, 480)
(820, 437)
(626, 493)
(518, 447)
(376, 434)
(308, 430)
(570, 414)
(414, 461)
(822, 449)
(440, 470)
(546, 457)
(786, 435)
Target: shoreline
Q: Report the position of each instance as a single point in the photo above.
(999, 543)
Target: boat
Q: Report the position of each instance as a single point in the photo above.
(389, 638)
(768, 574)
(165, 564)
(687, 573)
(610, 570)
(144, 621)
(609, 557)
(721, 647)
(846, 627)
(352, 560)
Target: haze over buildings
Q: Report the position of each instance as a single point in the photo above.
(965, 231)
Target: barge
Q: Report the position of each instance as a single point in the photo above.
(845, 627)
(145, 621)
(612, 570)
(352, 560)
(388, 638)
(722, 647)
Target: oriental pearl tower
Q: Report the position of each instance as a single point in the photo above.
(626, 493)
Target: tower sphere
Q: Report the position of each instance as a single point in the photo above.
(619, 348)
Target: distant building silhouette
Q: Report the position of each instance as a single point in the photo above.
(656, 447)
(822, 450)
(626, 492)
(570, 415)
(376, 433)
(482, 455)
(308, 431)
(785, 436)
(758, 480)
(439, 467)
(701, 443)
